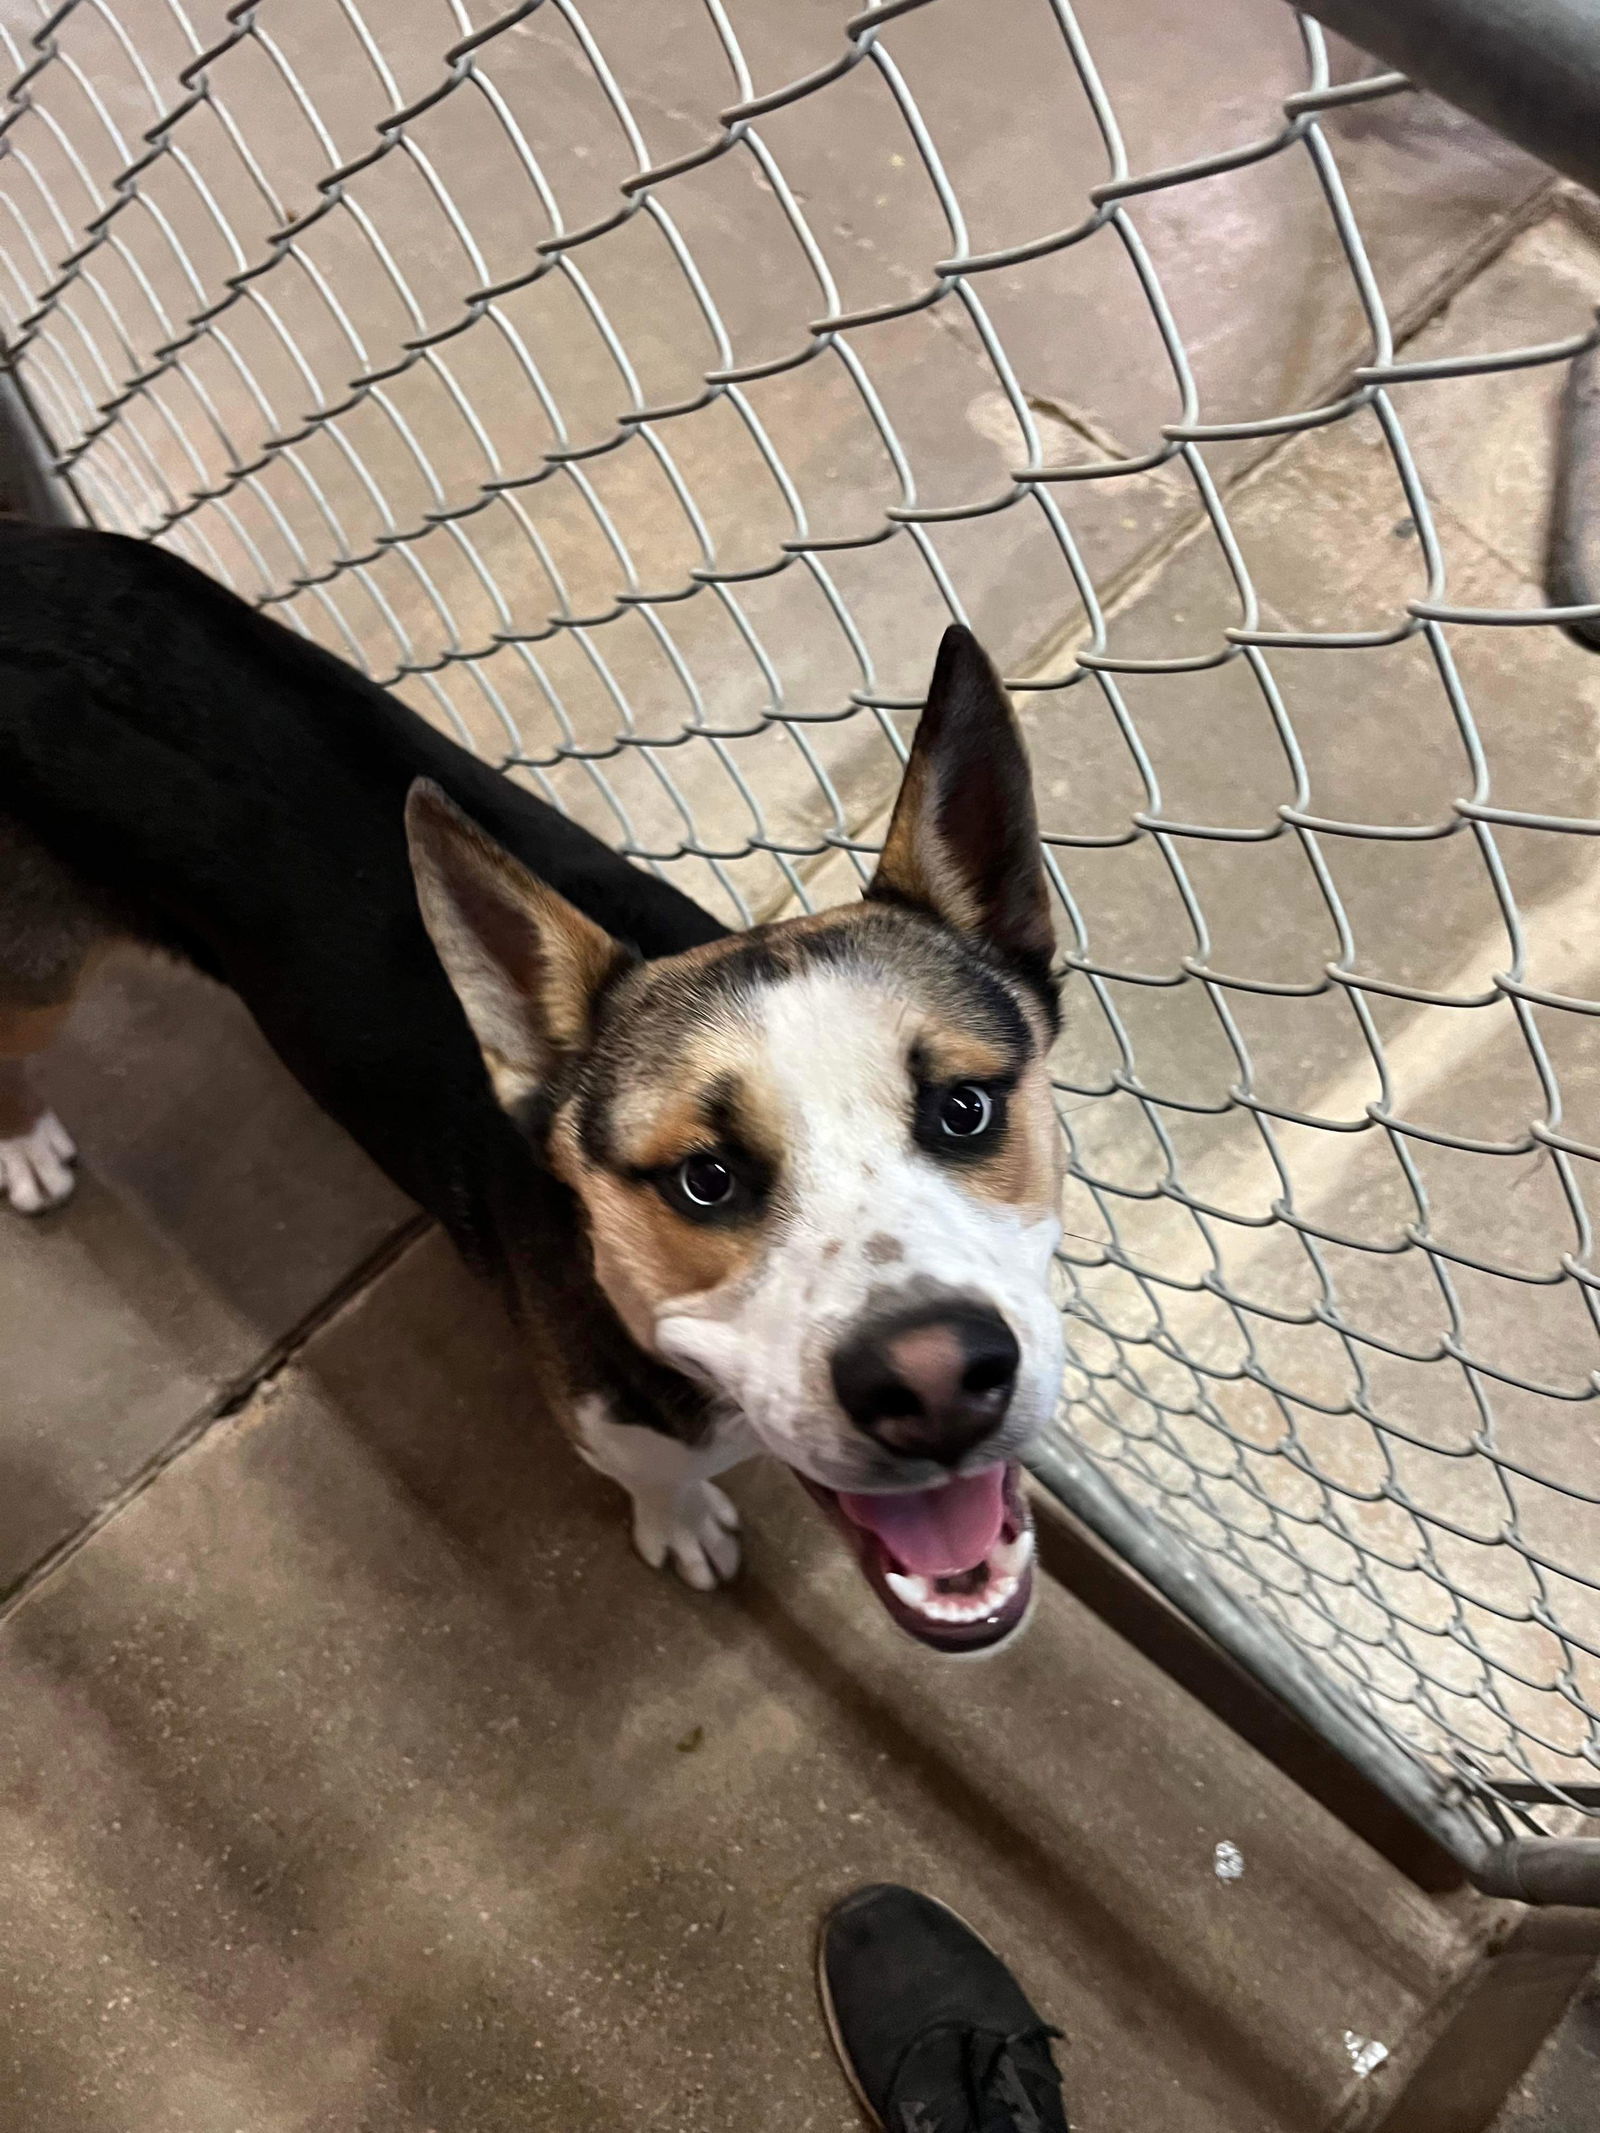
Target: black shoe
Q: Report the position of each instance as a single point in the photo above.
(935, 2033)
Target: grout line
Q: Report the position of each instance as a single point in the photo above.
(229, 1401)
(1579, 206)
(1474, 259)
(1136, 576)
(1550, 197)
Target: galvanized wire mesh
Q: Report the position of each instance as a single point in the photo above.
(638, 391)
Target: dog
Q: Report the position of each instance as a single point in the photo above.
(793, 1190)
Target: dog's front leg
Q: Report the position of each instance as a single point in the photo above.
(679, 1513)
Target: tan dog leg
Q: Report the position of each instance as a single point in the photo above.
(36, 1151)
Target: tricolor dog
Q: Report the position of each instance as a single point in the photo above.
(793, 1190)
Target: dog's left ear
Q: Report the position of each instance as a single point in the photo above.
(525, 965)
(963, 842)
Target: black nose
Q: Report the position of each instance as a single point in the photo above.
(932, 1382)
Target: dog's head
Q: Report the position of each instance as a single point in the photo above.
(819, 1161)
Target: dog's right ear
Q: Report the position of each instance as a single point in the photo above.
(525, 965)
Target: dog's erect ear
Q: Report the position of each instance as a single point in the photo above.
(525, 965)
(963, 842)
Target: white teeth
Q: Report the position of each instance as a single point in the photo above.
(922, 1596)
(1014, 1556)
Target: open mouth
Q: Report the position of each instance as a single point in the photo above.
(952, 1564)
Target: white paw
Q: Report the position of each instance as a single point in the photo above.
(695, 1526)
(35, 1169)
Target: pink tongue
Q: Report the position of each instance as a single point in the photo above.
(936, 1532)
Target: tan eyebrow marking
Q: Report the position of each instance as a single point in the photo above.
(677, 1126)
(708, 1093)
(956, 1055)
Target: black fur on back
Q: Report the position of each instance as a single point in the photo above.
(236, 794)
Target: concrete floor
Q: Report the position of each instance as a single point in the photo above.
(216, 1209)
(1557, 2094)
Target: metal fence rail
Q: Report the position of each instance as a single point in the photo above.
(639, 391)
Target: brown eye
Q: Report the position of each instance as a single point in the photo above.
(965, 1111)
(704, 1180)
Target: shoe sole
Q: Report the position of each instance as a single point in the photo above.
(825, 1990)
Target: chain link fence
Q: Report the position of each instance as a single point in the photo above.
(638, 391)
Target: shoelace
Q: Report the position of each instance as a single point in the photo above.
(989, 2075)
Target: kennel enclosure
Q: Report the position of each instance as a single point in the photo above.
(639, 392)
